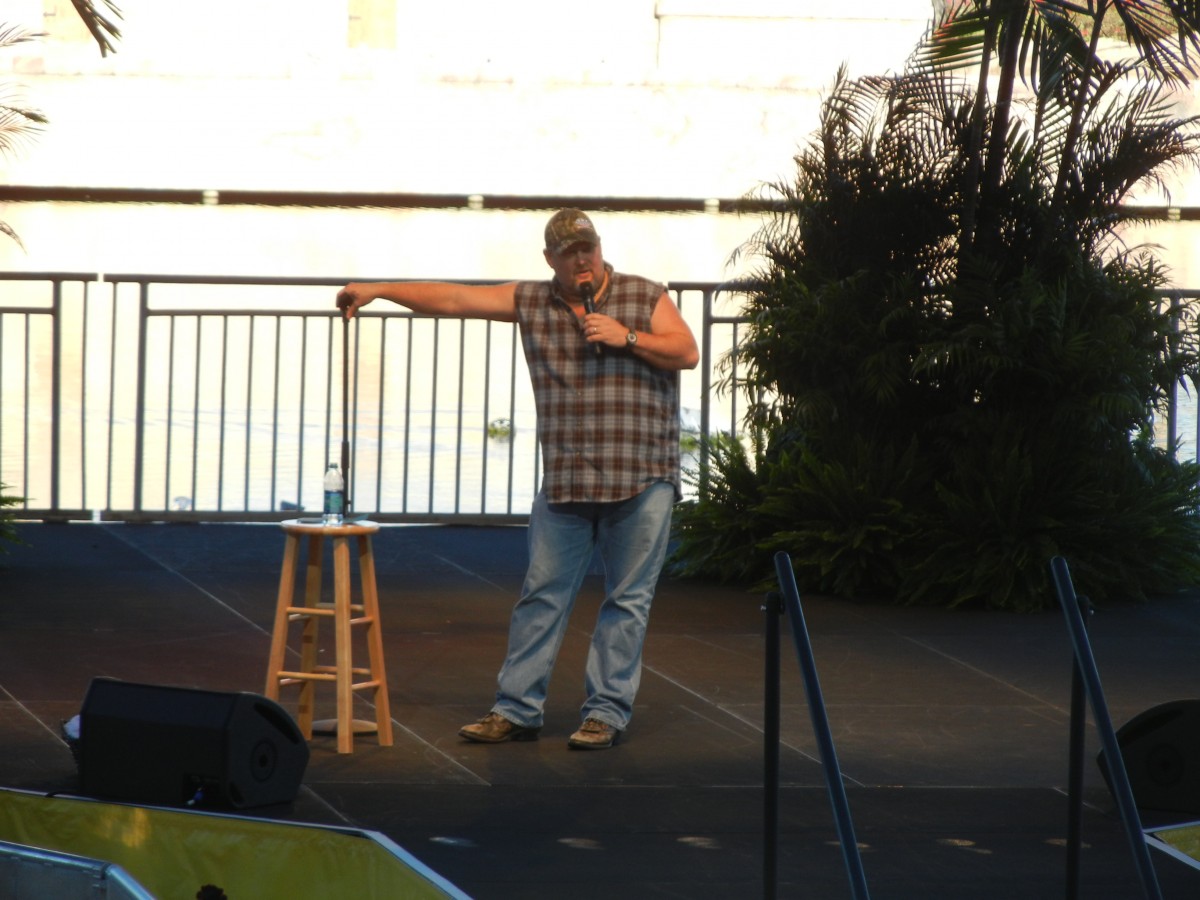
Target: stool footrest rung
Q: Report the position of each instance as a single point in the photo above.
(332, 670)
(320, 673)
(325, 609)
(298, 677)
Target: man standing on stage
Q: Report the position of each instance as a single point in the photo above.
(603, 350)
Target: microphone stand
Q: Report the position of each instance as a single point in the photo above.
(345, 416)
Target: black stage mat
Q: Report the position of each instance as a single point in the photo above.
(951, 726)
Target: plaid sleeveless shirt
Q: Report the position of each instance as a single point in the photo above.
(608, 423)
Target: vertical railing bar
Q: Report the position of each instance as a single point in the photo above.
(734, 430)
(2, 319)
(458, 438)
(706, 319)
(304, 323)
(433, 416)
(224, 411)
(170, 410)
(83, 380)
(248, 452)
(275, 418)
(1173, 390)
(379, 430)
(512, 415)
(329, 368)
(344, 454)
(112, 397)
(350, 441)
(140, 414)
(407, 416)
(487, 406)
(55, 392)
(196, 414)
(344, 449)
(25, 437)
(1195, 393)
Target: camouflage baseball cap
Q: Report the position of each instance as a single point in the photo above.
(567, 227)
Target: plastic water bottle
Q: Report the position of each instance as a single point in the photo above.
(335, 496)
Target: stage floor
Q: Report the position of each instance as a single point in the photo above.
(950, 726)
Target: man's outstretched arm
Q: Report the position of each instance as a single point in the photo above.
(435, 298)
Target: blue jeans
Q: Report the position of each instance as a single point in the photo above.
(632, 538)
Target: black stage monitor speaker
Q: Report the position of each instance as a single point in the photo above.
(1161, 748)
(178, 746)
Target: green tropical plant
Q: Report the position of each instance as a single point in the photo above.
(964, 359)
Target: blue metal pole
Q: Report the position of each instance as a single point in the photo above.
(820, 721)
(1119, 778)
(1075, 770)
(773, 609)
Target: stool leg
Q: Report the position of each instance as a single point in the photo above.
(308, 637)
(366, 572)
(287, 582)
(342, 638)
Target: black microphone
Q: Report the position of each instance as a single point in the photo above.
(589, 305)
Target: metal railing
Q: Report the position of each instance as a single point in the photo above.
(177, 398)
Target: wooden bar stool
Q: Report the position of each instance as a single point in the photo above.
(345, 615)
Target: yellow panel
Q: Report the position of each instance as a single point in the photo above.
(173, 853)
(1185, 839)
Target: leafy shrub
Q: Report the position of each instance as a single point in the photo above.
(962, 362)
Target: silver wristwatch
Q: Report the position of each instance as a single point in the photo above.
(631, 338)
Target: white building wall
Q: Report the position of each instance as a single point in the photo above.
(690, 99)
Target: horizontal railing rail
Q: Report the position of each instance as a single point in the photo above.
(133, 397)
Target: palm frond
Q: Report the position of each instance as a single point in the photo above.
(11, 35)
(18, 123)
(102, 28)
(956, 42)
(1165, 33)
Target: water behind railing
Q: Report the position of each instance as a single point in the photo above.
(161, 397)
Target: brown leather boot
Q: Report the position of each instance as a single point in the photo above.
(495, 729)
(594, 735)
